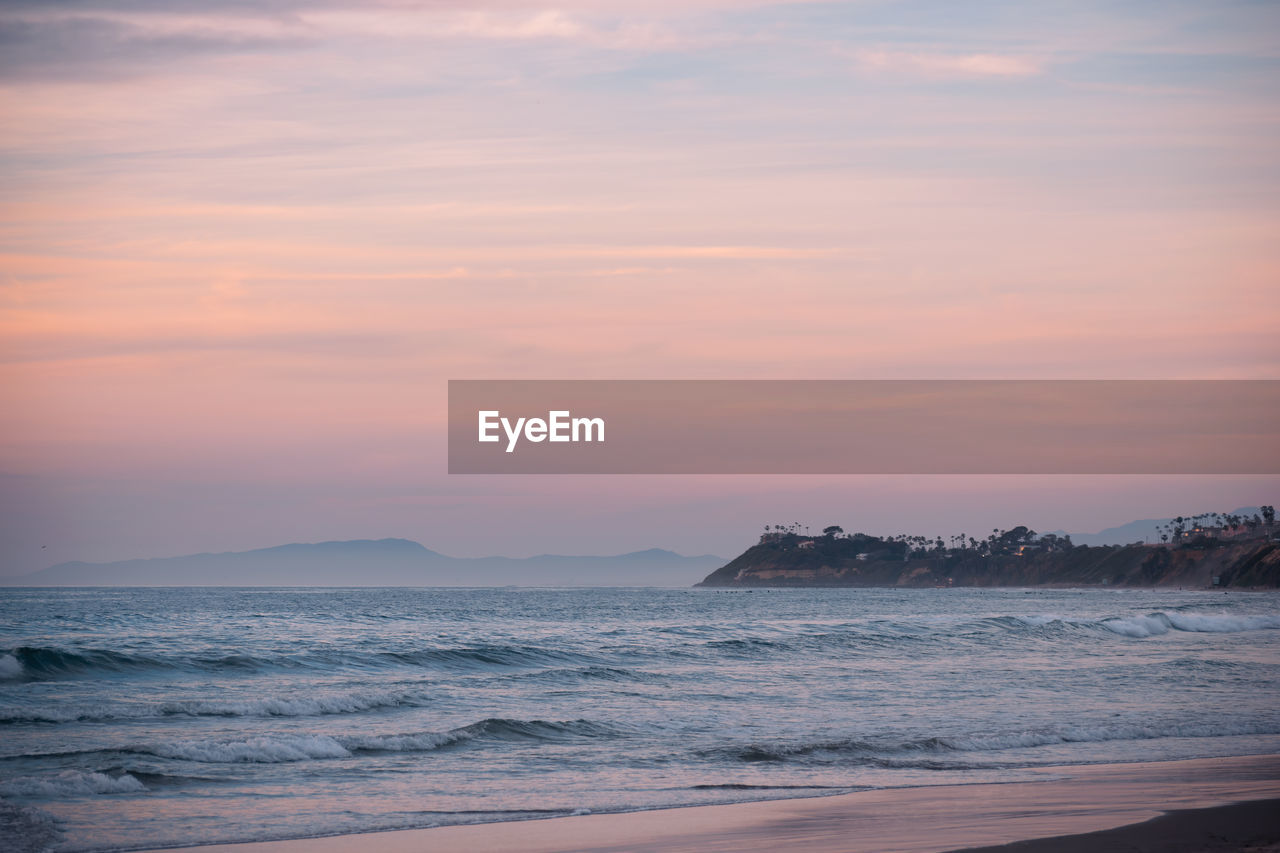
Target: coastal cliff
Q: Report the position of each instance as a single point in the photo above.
(1015, 559)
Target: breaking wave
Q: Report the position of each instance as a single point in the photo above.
(1155, 624)
(351, 702)
(873, 752)
(38, 663)
(70, 783)
(898, 633)
(10, 668)
(277, 749)
(448, 706)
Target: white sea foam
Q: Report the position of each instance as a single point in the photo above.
(65, 714)
(281, 749)
(874, 751)
(1036, 620)
(10, 668)
(1138, 626)
(307, 706)
(405, 743)
(225, 694)
(70, 783)
(1154, 624)
(1223, 622)
(294, 706)
(263, 750)
(1100, 734)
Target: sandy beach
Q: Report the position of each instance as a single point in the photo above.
(1173, 805)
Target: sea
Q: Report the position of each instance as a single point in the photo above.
(141, 718)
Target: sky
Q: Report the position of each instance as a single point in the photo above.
(244, 245)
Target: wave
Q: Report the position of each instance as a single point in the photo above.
(41, 663)
(742, 786)
(748, 644)
(486, 656)
(257, 750)
(883, 752)
(70, 783)
(304, 747)
(1147, 625)
(349, 702)
(593, 673)
(27, 663)
(10, 668)
(309, 706)
(881, 634)
(278, 749)
(1162, 622)
(152, 780)
(505, 728)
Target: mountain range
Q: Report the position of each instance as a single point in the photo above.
(381, 562)
(403, 562)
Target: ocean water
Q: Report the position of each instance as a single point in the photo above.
(138, 718)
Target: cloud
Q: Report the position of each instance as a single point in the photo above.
(548, 24)
(597, 28)
(123, 39)
(75, 47)
(948, 64)
(704, 252)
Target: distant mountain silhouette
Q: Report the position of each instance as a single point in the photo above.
(382, 562)
(1137, 531)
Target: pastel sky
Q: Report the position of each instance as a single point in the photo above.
(244, 244)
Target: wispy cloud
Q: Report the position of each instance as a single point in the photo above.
(72, 47)
(410, 23)
(599, 27)
(229, 224)
(949, 64)
(717, 252)
(110, 41)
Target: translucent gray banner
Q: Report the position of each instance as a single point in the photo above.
(864, 427)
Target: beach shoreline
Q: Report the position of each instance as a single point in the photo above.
(1129, 800)
(1244, 827)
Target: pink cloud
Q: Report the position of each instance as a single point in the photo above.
(949, 65)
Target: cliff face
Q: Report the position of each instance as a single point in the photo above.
(1254, 563)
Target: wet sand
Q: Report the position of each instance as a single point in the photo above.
(1046, 816)
(1249, 826)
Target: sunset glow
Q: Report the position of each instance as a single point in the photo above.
(243, 247)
